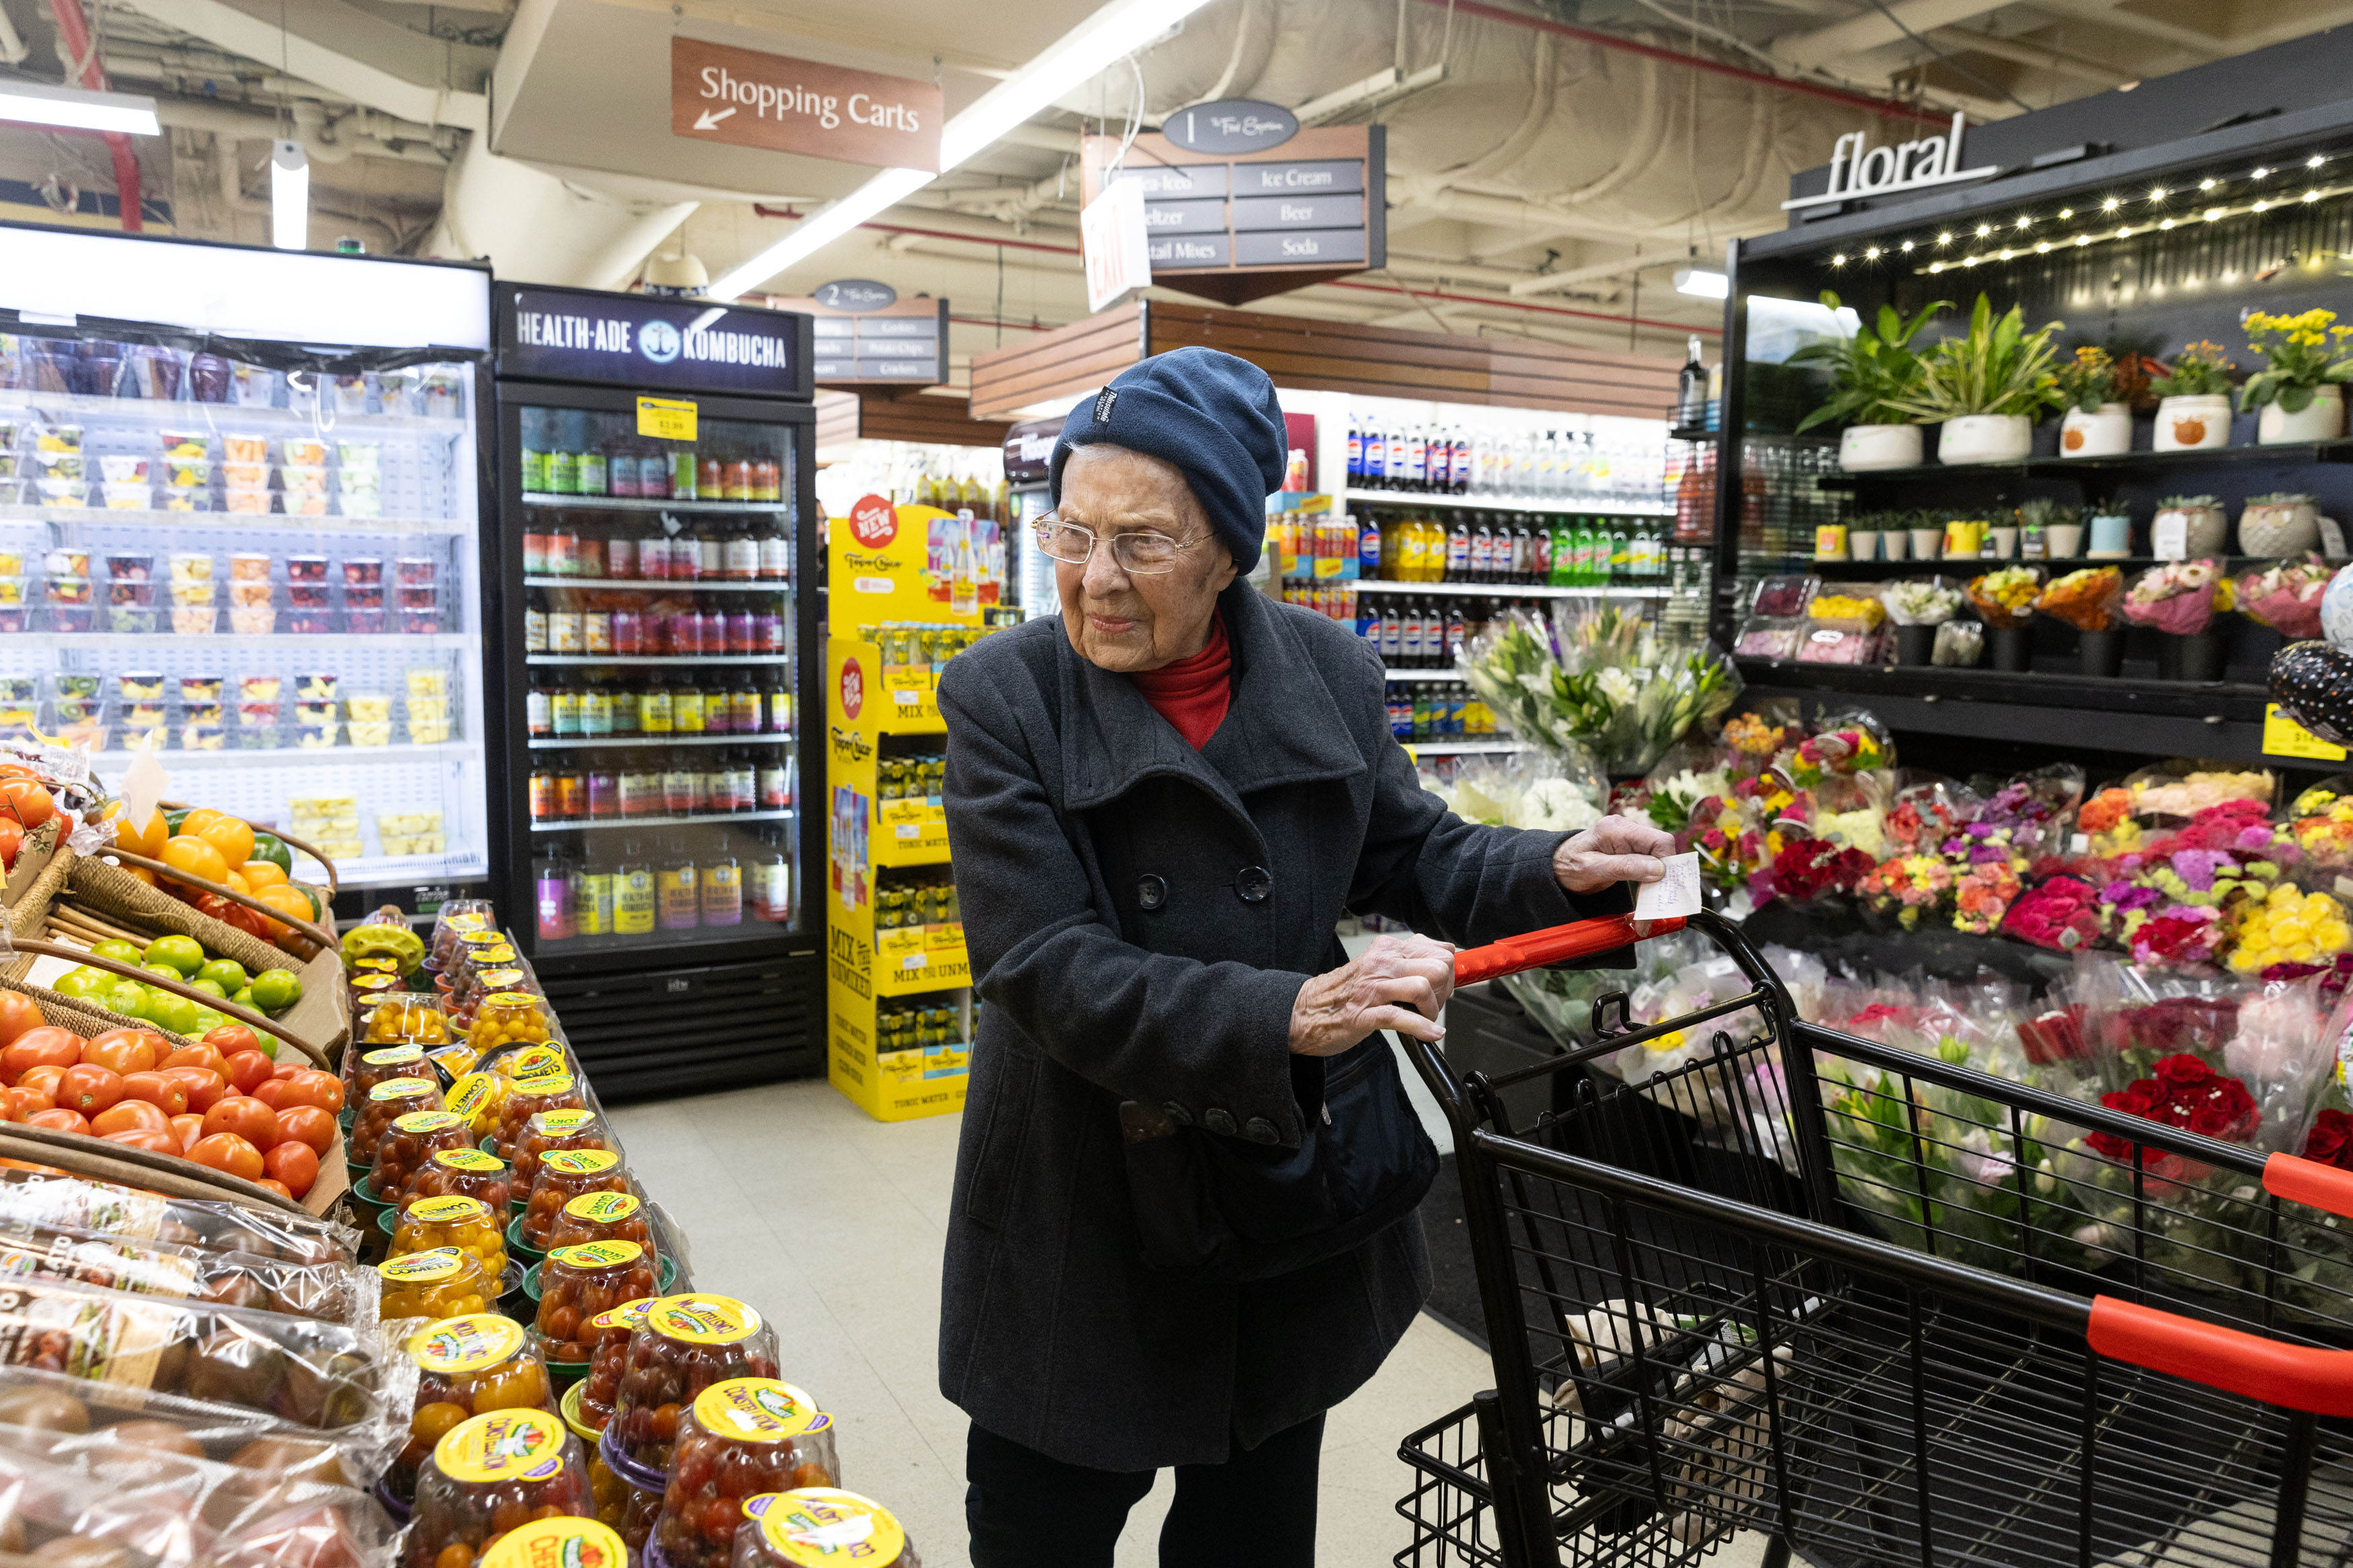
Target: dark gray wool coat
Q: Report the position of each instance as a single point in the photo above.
(1100, 860)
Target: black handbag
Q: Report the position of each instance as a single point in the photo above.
(1224, 1208)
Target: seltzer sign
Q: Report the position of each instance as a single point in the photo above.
(1859, 169)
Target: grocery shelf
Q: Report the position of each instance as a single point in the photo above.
(294, 756)
(598, 742)
(182, 412)
(1613, 506)
(290, 642)
(650, 504)
(1461, 748)
(267, 523)
(698, 817)
(2054, 468)
(1448, 673)
(407, 870)
(1509, 590)
(667, 584)
(666, 661)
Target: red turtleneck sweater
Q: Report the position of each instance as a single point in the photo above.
(1193, 693)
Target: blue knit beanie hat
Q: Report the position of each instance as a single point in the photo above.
(1213, 415)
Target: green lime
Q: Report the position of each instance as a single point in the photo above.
(176, 1013)
(206, 1019)
(120, 950)
(225, 972)
(184, 955)
(209, 986)
(129, 998)
(275, 990)
(242, 996)
(86, 983)
(162, 971)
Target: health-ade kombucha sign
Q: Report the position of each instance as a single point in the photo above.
(784, 105)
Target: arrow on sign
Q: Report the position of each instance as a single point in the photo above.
(710, 120)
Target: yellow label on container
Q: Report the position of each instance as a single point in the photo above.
(472, 1093)
(562, 1542)
(427, 1122)
(472, 1160)
(450, 1208)
(823, 1527)
(531, 1061)
(603, 1208)
(667, 418)
(756, 1410)
(627, 1315)
(422, 1267)
(581, 1162)
(703, 1320)
(480, 939)
(503, 1445)
(596, 1254)
(541, 1086)
(393, 1056)
(561, 1123)
(502, 977)
(469, 1343)
(2283, 737)
(393, 1088)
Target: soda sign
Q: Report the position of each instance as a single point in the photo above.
(854, 687)
(874, 522)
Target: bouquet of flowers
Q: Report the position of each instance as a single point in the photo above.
(1814, 870)
(2062, 913)
(1558, 792)
(2004, 597)
(2106, 819)
(1907, 888)
(2086, 600)
(2159, 792)
(1734, 833)
(2286, 596)
(2288, 926)
(2032, 808)
(1856, 744)
(2178, 598)
(1927, 604)
(1862, 607)
(1983, 895)
(1753, 739)
(1597, 678)
(2320, 821)
(1673, 798)
(1928, 811)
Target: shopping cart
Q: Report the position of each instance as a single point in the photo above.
(1881, 1308)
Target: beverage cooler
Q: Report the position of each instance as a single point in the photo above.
(658, 548)
(239, 526)
(1028, 459)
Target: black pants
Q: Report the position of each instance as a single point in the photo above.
(1255, 1510)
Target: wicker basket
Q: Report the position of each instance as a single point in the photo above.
(230, 1010)
(112, 891)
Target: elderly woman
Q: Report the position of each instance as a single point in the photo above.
(1183, 1223)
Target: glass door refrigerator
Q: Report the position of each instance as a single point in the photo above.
(239, 525)
(658, 550)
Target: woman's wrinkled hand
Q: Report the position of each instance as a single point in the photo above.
(1614, 849)
(1397, 983)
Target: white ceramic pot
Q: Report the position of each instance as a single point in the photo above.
(1927, 543)
(2191, 424)
(2064, 540)
(1985, 438)
(1866, 447)
(2103, 434)
(2322, 419)
(1895, 544)
(2001, 543)
(2178, 533)
(2279, 528)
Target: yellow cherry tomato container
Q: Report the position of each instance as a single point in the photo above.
(466, 1223)
(489, 1481)
(440, 1283)
(505, 1018)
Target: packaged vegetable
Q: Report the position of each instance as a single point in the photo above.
(38, 1197)
(335, 1292)
(441, 1283)
(463, 1172)
(467, 1223)
(529, 1096)
(814, 1527)
(467, 1367)
(607, 1339)
(490, 1476)
(563, 1176)
(605, 1216)
(687, 1343)
(578, 1286)
(385, 1104)
(407, 1143)
(741, 1437)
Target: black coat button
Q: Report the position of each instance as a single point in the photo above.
(1259, 1129)
(1218, 1121)
(1150, 891)
(1252, 883)
(1178, 1114)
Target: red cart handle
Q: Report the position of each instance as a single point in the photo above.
(1554, 944)
(2310, 1183)
(2297, 1377)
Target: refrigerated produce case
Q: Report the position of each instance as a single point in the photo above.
(656, 546)
(239, 525)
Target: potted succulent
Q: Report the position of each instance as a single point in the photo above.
(2193, 408)
(2301, 392)
(1863, 537)
(2279, 524)
(2096, 424)
(1870, 373)
(1927, 534)
(1985, 387)
(1894, 536)
(2185, 526)
(2049, 530)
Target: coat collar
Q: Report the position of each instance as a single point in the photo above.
(1283, 726)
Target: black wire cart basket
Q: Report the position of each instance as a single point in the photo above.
(1884, 1309)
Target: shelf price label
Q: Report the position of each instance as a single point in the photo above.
(2283, 737)
(666, 418)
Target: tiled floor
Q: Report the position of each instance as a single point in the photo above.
(831, 1224)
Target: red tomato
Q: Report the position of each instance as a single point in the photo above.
(244, 1116)
(275, 1186)
(227, 1151)
(187, 1129)
(275, 1093)
(158, 1089)
(288, 1063)
(12, 838)
(293, 1164)
(43, 1080)
(308, 1124)
(153, 1142)
(247, 1069)
(143, 1047)
(47, 1046)
(59, 1118)
(89, 1089)
(27, 802)
(23, 1103)
(204, 1086)
(18, 1012)
(323, 1090)
(230, 1038)
(198, 1056)
(132, 1116)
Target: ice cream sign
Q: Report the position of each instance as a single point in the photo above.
(1858, 170)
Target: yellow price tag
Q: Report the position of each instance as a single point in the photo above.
(666, 418)
(2283, 737)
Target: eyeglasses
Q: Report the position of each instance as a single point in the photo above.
(1145, 553)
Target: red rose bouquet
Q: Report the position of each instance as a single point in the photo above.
(2062, 914)
(2331, 1142)
(1811, 870)
(2184, 1093)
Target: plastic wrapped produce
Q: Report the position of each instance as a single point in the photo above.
(467, 1367)
(578, 1285)
(687, 1343)
(467, 1223)
(549, 1131)
(382, 1065)
(528, 1096)
(335, 1292)
(408, 1143)
(741, 1437)
(38, 1197)
(466, 1172)
(440, 1283)
(606, 1217)
(564, 1175)
(491, 1476)
(815, 1527)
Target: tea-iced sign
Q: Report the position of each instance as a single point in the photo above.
(1858, 168)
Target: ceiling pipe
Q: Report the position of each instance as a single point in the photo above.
(1524, 305)
(75, 46)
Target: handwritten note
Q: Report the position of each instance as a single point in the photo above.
(1676, 893)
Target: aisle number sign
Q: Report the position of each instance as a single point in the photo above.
(666, 418)
(2283, 737)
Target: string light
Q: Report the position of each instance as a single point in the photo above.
(2167, 224)
(2111, 203)
(2209, 182)
(2042, 246)
(1936, 267)
(1906, 248)
(1984, 229)
(2312, 195)
(2157, 192)
(1945, 238)
(2007, 253)
(2315, 160)
(2082, 239)
(1838, 261)
(2213, 215)
(2262, 207)
(2066, 213)
(2023, 220)
(1871, 253)
(2263, 174)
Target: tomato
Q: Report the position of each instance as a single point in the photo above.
(260, 874)
(246, 1069)
(153, 1142)
(195, 822)
(187, 1129)
(132, 1116)
(227, 1151)
(230, 1038)
(89, 1089)
(124, 1050)
(323, 1090)
(280, 1188)
(18, 1012)
(12, 839)
(287, 899)
(27, 802)
(244, 1116)
(42, 1079)
(275, 1093)
(158, 1089)
(59, 1118)
(293, 1164)
(23, 1103)
(152, 1046)
(205, 1089)
(197, 1056)
(47, 1046)
(288, 1065)
(308, 1124)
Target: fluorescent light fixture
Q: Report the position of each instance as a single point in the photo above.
(1703, 283)
(1117, 29)
(702, 322)
(77, 108)
(289, 196)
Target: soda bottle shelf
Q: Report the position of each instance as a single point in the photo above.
(667, 661)
(1509, 590)
(650, 503)
(669, 584)
(1447, 673)
(602, 743)
(600, 824)
(1615, 506)
(283, 642)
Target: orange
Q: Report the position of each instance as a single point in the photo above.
(231, 835)
(147, 840)
(195, 857)
(235, 883)
(286, 900)
(260, 874)
(196, 821)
